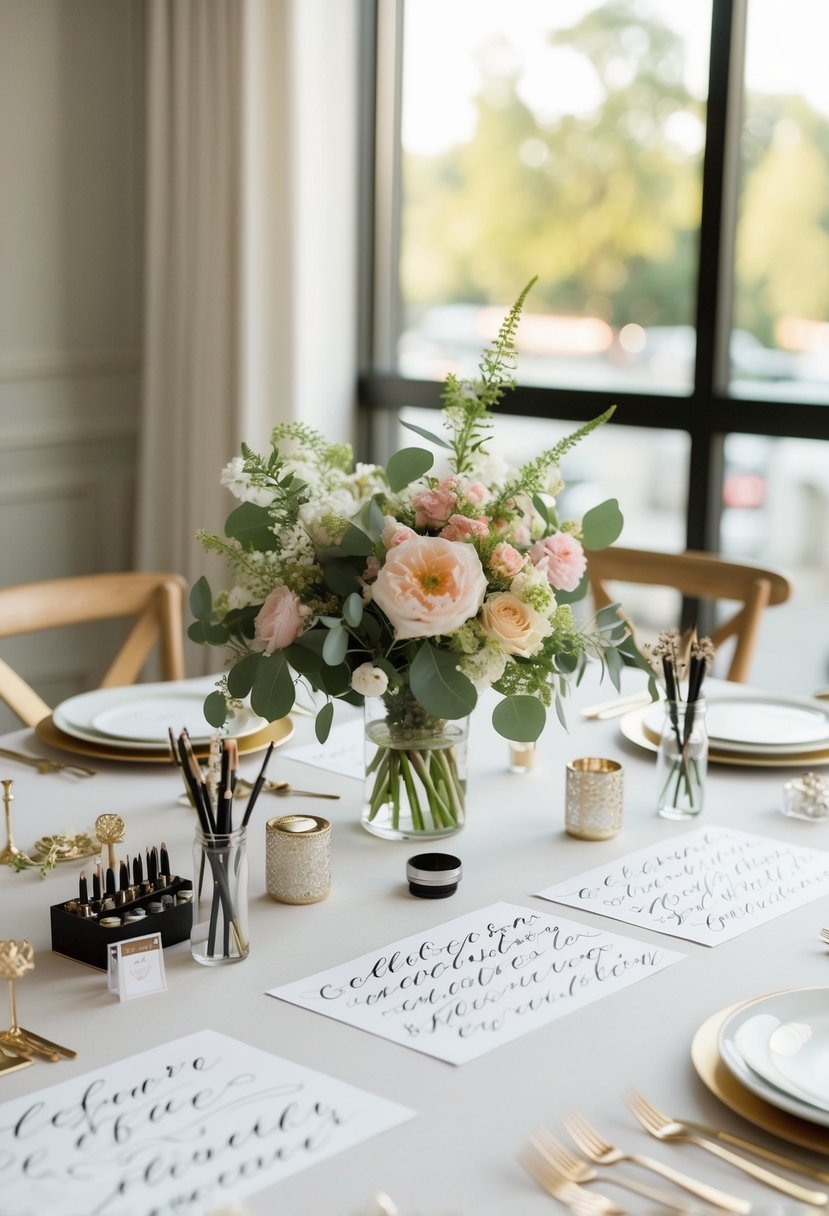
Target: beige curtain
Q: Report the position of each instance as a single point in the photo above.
(250, 263)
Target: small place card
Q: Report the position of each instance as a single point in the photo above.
(342, 752)
(136, 967)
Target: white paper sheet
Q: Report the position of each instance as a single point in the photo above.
(185, 1128)
(341, 753)
(471, 984)
(706, 886)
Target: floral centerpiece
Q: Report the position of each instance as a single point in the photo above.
(410, 589)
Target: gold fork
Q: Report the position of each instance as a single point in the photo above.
(576, 1169)
(585, 1203)
(46, 766)
(663, 1127)
(600, 1151)
(824, 936)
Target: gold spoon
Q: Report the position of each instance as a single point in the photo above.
(282, 788)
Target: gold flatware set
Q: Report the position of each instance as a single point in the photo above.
(568, 1176)
(282, 788)
(44, 765)
(18, 1046)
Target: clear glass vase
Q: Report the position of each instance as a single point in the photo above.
(220, 912)
(415, 770)
(682, 760)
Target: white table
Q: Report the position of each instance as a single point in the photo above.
(458, 1156)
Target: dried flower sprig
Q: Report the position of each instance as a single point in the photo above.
(682, 657)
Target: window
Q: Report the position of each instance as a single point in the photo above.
(664, 169)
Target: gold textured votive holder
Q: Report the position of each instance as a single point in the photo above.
(298, 859)
(593, 798)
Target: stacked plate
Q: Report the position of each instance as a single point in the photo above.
(778, 1047)
(132, 723)
(768, 1059)
(750, 728)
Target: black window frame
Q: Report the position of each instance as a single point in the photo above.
(709, 412)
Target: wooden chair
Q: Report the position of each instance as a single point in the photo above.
(699, 576)
(154, 600)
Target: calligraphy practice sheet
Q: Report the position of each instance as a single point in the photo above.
(465, 987)
(342, 752)
(706, 886)
(184, 1128)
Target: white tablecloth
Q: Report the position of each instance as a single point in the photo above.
(458, 1156)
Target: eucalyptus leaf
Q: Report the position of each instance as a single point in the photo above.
(424, 434)
(437, 684)
(560, 711)
(608, 617)
(303, 659)
(602, 525)
(216, 635)
(520, 718)
(354, 543)
(323, 720)
(335, 646)
(251, 526)
(336, 681)
(342, 574)
(241, 676)
(197, 632)
(408, 465)
(201, 599)
(215, 709)
(272, 695)
(353, 609)
(542, 509)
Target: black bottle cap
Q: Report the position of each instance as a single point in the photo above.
(433, 875)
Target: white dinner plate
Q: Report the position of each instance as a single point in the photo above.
(748, 727)
(743, 1045)
(633, 727)
(141, 714)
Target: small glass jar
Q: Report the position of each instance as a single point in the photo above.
(682, 760)
(220, 915)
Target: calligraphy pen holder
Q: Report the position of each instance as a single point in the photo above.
(86, 940)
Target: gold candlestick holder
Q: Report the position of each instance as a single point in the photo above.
(110, 830)
(11, 849)
(16, 960)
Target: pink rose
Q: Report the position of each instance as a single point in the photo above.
(433, 507)
(395, 533)
(565, 559)
(460, 527)
(506, 561)
(279, 621)
(429, 586)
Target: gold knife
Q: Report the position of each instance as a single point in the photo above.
(768, 1154)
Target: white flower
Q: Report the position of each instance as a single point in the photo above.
(485, 666)
(240, 597)
(369, 681)
(487, 467)
(237, 481)
(553, 484)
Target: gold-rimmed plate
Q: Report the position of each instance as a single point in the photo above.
(635, 730)
(275, 732)
(723, 1085)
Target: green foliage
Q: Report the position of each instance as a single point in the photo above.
(272, 694)
(529, 479)
(519, 718)
(407, 466)
(602, 525)
(437, 684)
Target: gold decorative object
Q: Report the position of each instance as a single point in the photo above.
(16, 960)
(593, 806)
(110, 830)
(298, 859)
(10, 850)
(521, 757)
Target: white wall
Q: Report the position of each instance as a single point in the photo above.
(71, 152)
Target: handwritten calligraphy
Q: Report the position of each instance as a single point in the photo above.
(477, 981)
(707, 886)
(175, 1130)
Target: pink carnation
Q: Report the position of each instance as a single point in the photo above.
(279, 621)
(564, 556)
(462, 528)
(506, 561)
(476, 493)
(433, 507)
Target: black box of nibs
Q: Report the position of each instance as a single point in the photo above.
(85, 940)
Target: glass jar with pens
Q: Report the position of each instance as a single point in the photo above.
(220, 865)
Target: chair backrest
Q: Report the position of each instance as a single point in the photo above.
(699, 576)
(155, 601)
